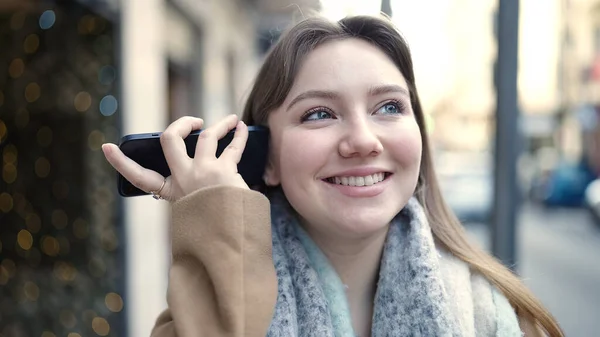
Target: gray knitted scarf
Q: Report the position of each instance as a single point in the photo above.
(422, 290)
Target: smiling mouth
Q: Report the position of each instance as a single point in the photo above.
(359, 181)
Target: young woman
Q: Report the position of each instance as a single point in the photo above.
(350, 235)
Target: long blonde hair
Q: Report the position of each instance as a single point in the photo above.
(274, 82)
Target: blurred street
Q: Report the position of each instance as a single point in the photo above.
(558, 258)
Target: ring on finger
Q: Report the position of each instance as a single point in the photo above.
(156, 194)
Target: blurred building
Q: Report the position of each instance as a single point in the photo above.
(558, 74)
(74, 256)
(580, 87)
(454, 60)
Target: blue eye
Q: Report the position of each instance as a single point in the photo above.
(317, 115)
(391, 108)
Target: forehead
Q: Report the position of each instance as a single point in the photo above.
(346, 64)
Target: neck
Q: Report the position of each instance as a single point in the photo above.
(356, 261)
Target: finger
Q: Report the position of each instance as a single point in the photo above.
(209, 138)
(142, 178)
(172, 141)
(233, 152)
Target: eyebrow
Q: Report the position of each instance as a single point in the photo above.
(385, 89)
(331, 95)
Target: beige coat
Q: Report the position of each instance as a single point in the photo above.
(222, 280)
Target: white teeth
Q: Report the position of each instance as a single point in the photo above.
(359, 181)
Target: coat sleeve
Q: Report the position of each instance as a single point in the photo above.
(222, 281)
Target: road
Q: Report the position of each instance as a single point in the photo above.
(559, 259)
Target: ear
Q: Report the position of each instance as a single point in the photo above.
(271, 176)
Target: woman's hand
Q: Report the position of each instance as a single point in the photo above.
(188, 174)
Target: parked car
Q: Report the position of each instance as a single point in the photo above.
(592, 199)
(469, 195)
(564, 186)
(467, 184)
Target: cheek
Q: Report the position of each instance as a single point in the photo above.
(406, 146)
(300, 154)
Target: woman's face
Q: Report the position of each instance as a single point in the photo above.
(345, 146)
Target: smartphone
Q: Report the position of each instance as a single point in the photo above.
(145, 149)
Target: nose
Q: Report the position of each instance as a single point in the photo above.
(360, 140)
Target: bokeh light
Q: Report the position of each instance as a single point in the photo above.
(60, 219)
(4, 275)
(17, 20)
(32, 92)
(73, 334)
(48, 334)
(107, 75)
(108, 105)
(100, 326)
(67, 319)
(24, 239)
(9, 155)
(103, 196)
(3, 130)
(86, 25)
(42, 167)
(16, 68)
(32, 291)
(64, 271)
(65, 246)
(31, 43)
(82, 101)
(6, 202)
(50, 246)
(9, 266)
(113, 302)
(47, 19)
(33, 222)
(9, 173)
(95, 140)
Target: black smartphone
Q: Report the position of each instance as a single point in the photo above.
(145, 149)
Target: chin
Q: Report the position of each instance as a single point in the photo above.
(364, 223)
